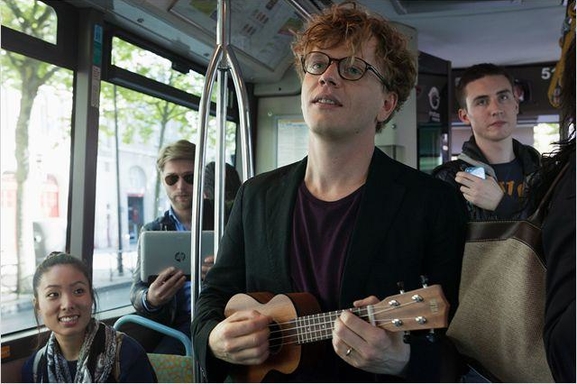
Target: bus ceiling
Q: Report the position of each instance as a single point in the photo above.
(462, 32)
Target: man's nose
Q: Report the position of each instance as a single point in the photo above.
(331, 74)
(181, 183)
(495, 107)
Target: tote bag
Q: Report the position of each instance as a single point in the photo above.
(500, 318)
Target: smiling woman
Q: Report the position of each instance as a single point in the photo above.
(79, 348)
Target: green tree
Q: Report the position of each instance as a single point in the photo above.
(146, 119)
(140, 118)
(27, 75)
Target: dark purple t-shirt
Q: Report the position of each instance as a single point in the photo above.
(321, 233)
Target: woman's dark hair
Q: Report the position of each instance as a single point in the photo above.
(54, 259)
(567, 96)
(553, 162)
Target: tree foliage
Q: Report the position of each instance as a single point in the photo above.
(143, 119)
(137, 119)
(27, 75)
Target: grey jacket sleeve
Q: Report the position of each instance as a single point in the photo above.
(165, 314)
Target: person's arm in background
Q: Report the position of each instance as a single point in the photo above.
(559, 246)
(138, 291)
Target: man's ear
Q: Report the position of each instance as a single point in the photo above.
(389, 105)
(464, 116)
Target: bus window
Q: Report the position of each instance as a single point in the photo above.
(36, 115)
(45, 31)
(545, 134)
(148, 97)
(137, 60)
(134, 125)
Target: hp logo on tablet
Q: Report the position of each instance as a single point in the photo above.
(179, 256)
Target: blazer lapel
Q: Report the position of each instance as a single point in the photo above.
(280, 200)
(381, 200)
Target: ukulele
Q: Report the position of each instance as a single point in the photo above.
(297, 321)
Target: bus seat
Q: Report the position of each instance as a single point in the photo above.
(172, 368)
(168, 368)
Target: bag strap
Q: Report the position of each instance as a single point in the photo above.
(539, 214)
(116, 369)
(37, 359)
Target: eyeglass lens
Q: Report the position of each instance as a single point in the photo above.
(173, 179)
(350, 68)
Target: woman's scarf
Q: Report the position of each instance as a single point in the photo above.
(95, 361)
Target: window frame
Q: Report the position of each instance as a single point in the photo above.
(62, 54)
(71, 52)
(136, 82)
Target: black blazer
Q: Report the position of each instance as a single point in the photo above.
(409, 224)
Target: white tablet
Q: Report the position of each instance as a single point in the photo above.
(162, 249)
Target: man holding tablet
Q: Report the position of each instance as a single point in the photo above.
(167, 299)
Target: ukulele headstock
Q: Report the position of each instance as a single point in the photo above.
(421, 309)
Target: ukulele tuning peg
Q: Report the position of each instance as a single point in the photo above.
(401, 286)
(394, 303)
(431, 336)
(424, 281)
(417, 298)
(407, 337)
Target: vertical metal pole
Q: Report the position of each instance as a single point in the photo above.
(222, 61)
(223, 40)
(196, 227)
(219, 176)
(245, 141)
(119, 263)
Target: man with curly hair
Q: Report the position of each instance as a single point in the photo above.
(345, 224)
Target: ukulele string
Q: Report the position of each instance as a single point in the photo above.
(327, 335)
(335, 314)
(290, 325)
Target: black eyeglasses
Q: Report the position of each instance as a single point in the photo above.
(173, 179)
(350, 68)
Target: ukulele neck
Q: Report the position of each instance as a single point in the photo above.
(311, 328)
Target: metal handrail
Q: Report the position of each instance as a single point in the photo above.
(158, 327)
(222, 61)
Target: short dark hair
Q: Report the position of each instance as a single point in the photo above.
(231, 180)
(477, 72)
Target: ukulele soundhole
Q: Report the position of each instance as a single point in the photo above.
(275, 338)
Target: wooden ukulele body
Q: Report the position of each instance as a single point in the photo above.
(283, 308)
